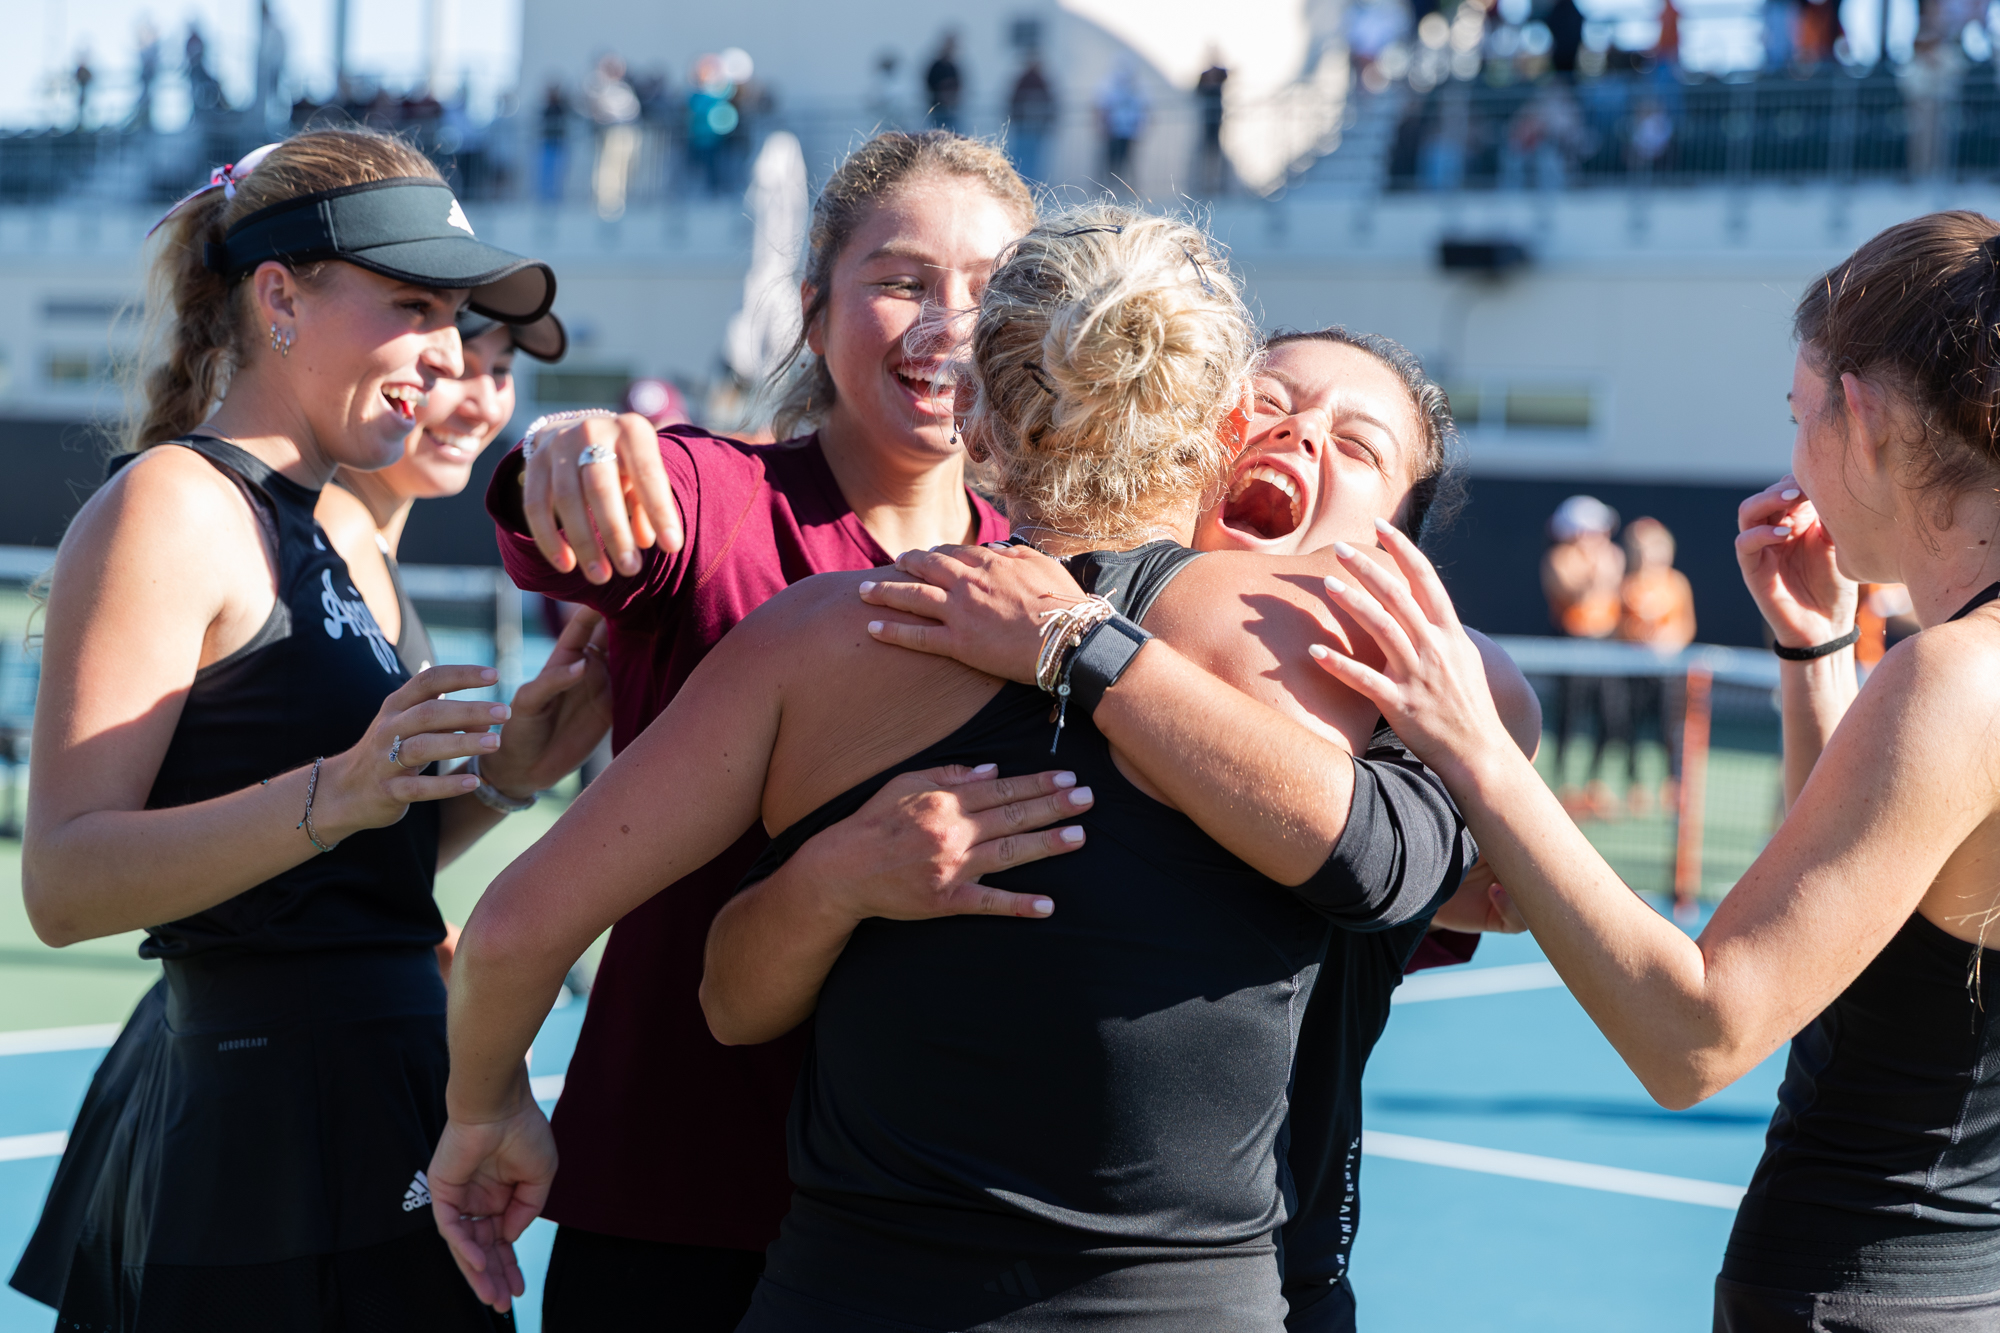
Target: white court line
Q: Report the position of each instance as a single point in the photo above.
(1374, 1142)
(1457, 984)
(546, 1087)
(1554, 1170)
(21, 1147)
(93, 1037)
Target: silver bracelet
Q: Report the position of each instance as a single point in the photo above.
(492, 797)
(542, 423)
(306, 820)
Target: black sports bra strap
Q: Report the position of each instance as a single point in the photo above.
(1131, 580)
(1979, 599)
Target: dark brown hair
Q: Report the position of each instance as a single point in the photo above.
(871, 171)
(1437, 490)
(196, 319)
(1916, 311)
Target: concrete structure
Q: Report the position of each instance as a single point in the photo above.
(1643, 352)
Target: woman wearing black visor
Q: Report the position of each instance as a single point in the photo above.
(230, 755)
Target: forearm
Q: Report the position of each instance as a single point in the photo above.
(103, 872)
(512, 956)
(1815, 697)
(769, 952)
(1642, 981)
(1263, 786)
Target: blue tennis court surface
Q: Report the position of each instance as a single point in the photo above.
(1518, 1177)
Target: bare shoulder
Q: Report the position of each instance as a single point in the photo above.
(1251, 619)
(850, 706)
(347, 522)
(167, 515)
(1947, 677)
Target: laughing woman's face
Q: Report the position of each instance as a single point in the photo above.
(1332, 447)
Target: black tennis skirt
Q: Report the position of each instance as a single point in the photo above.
(251, 1154)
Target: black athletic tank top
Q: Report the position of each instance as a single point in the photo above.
(1881, 1169)
(413, 641)
(306, 685)
(1135, 1176)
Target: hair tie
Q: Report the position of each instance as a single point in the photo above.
(223, 177)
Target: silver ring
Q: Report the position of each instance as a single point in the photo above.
(396, 755)
(597, 453)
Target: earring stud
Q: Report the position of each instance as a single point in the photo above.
(281, 340)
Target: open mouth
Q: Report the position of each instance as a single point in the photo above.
(1264, 503)
(404, 400)
(933, 383)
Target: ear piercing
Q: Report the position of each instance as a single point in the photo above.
(281, 340)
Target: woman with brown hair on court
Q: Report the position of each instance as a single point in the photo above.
(1861, 932)
(653, 1107)
(229, 755)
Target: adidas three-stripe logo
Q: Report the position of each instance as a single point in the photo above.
(418, 1195)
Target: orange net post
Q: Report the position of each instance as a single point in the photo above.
(1694, 792)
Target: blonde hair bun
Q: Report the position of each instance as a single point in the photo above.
(1109, 349)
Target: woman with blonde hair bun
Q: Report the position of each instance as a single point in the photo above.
(229, 755)
(1073, 1113)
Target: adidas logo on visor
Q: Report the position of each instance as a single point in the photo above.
(457, 218)
(418, 1195)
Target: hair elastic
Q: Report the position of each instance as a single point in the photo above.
(225, 177)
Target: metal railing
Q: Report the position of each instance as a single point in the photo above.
(1651, 129)
(518, 157)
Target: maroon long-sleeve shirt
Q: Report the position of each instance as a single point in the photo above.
(666, 1134)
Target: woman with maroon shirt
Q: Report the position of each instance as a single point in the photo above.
(654, 1107)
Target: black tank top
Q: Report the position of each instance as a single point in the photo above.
(1881, 1169)
(413, 640)
(306, 685)
(1135, 1175)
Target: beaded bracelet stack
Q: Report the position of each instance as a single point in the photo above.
(542, 423)
(1085, 649)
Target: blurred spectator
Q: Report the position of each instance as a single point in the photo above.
(1656, 609)
(83, 78)
(1031, 118)
(944, 84)
(1667, 50)
(552, 166)
(882, 107)
(1547, 135)
(1582, 576)
(1565, 24)
(1209, 176)
(1122, 112)
(1652, 135)
(141, 117)
(1886, 616)
(1928, 80)
(268, 101)
(203, 89)
(660, 402)
(1817, 30)
(613, 108)
(1780, 18)
(712, 119)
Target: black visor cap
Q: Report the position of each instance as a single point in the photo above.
(545, 339)
(411, 229)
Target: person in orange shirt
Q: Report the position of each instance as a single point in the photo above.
(1656, 608)
(1581, 577)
